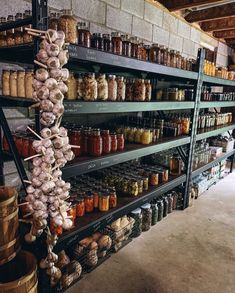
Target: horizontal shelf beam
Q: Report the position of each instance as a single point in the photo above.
(78, 107)
(212, 163)
(216, 104)
(218, 81)
(16, 23)
(82, 167)
(101, 220)
(217, 130)
(12, 102)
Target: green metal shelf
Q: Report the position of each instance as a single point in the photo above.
(218, 81)
(215, 104)
(208, 132)
(81, 107)
(212, 163)
(12, 102)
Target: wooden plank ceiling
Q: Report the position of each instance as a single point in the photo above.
(214, 16)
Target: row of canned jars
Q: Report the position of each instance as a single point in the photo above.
(90, 87)
(214, 119)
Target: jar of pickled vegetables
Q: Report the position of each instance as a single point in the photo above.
(112, 198)
(104, 201)
(173, 58)
(120, 142)
(170, 203)
(133, 187)
(154, 178)
(6, 82)
(89, 87)
(137, 228)
(175, 165)
(163, 56)
(106, 141)
(72, 87)
(112, 88)
(72, 212)
(146, 137)
(147, 216)
(185, 125)
(113, 142)
(57, 230)
(160, 209)
(21, 83)
(138, 135)
(178, 60)
(89, 203)
(134, 47)
(154, 54)
(116, 43)
(139, 92)
(102, 87)
(154, 208)
(126, 46)
(68, 24)
(129, 90)
(29, 83)
(13, 83)
(148, 91)
(121, 88)
(165, 206)
(76, 139)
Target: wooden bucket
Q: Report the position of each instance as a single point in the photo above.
(9, 224)
(19, 275)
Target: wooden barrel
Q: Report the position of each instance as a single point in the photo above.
(9, 224)
(19, 275)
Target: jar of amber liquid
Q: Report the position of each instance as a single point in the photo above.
(10, 39)
(3, 41)
(6, 82)
(89, 203)
(21, 83)
(175, 165)
(13, 83)
(116, 43)
(104, 201)
(29, 83)
(19, 30)
(68, 24)
(185, 125)
(112, 198)
(154, 54)
(146, 137)
(72, 87)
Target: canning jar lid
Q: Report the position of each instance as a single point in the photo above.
(136, 211)
(146, 206)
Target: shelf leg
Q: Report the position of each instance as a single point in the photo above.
(231, 163)
(2, 178)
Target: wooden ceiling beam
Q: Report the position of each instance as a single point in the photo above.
(218, 24)
(224, 34)
(174, 5)
(230, 41)
(217, 12)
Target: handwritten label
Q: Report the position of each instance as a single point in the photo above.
(91, 166)
(103, 163)
(96, 226)
(109, 219)
(91, 55)
(71, 240)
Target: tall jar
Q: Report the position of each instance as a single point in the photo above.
(143, 51)
(97, 146)
(120, 142)
(139, 90)
(13, 83)
(121, 88)
(84, 35)
(6, 82)
(126, 46)
(72, 87)
(116, 43)
(160, 209)
(19, 30)
(29, 83)
(90, 87)
(154, 54)
(10, 39)
(134, 47)
(148, 92)
(165, 206)
(76, 139)
(106, 141)
(147, 216)
(112, 198)
(170, 203)
(89, 202)
(129, 90)
(21, 83)
(68, 24)
(173, 58)
(102, 87)
(178, 60)
(112, 88)
(53, 21)
(3, 41)
(108, 47)
(154, 208)
(146, 137)
(137, 228)
(104, 201)
(27, 38)
(185, 125)
(164, 56)
(79, 81)
(175, 165)
(113, 142)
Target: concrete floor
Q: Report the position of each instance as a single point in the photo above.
(190, 251)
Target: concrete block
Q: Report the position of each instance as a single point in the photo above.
(221, 60)
(115, 3)
(223, 49)
(153, 14)
(196, 47)
(184, 30)
(195, 35)
(95, 28)
(62, 4)
(176, 42)
(170, 23)
(135, 7)
(209, 40)
(142, 28)
(13, 6)
(188, 47)
(160, 36)
(91, 10)
(118, 20)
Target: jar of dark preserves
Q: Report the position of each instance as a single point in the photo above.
(178, 60)
(10, 39)
(137, 228)
(189, 94)
(154, 208)
(100, 42)
(134, 47)
(94, 41)
(129, 90)
(160, 209)
(84, 35)
(143, 53)
(164, 56)
(107, 43)
(170, 203)
(117, 43)
(3, 41)
(155, 54)
(165, 206)
(53, 21)
(147, 216)
(97, 146)
(126, 46)
(147, 49)
(173, 58)
(76, 139)
(84, 146)
(106, 141)
(113, 142)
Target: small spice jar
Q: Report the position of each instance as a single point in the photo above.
(116, 43)
(6, 83)
(113, 143)
(102, 87)
(112, 88)
(121, 88)
(106, 141)
(3, 41)
(89, 202)
(120, 142)
(18, 30)
(137, 228)
(148, 91)
(147, 216)
(13, 83)
(126, 46)
(104, 201)
(72, 87)
(84, 35)
(139, 91)
(21, 83)
(10, 39)
(108, 47)
(160, 209)
(68, 24)
(112, 198)
(154, 208)
(29, 83)
(175, 165)
(89, 87)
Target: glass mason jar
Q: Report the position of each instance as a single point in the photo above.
(121, 88)
(160, 209)
(79, 81)
(19, 31)
(68, 24)
(112, 88)
(27, 38)
(95, 41)
(89, 202)
(139, 92)
(173, 94)
(72, 87)
(97, 146)
(147, 216)
(134, 47)
(133, 187)
(183, 63)
(76, 139)
(100, 42)
(112, 198)
(138, 135)
(185, 125)
(21, 83)
(170, 203)
(173, 58)
(155, 55)
(154, 208)
(106, 141)
(29, 83)
(90, 87)
(148, 92)
(178, 60)
(6, 83)
(165, 206)
(108, 47)
(189, 94)
(143, 52)
(146, 137)
(137, 228)
(175, 165)
(104, 201)
(147, 49)
(126, 46)
(163, 56)
(3, 41)
(116, 43)
(13, 83)
(120, 142)
(102, 86)
(154, 178)
(113, 143)
(53, 21)
(84, 35)
(10, 38)
(129, 90)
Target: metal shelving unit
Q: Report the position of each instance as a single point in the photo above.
(218, 81)
(213, 131)
(217, 104)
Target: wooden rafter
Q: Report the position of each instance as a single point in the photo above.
(174, 5)
(224, 34)
(218, 24)
(217, 12)
(230, 41)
